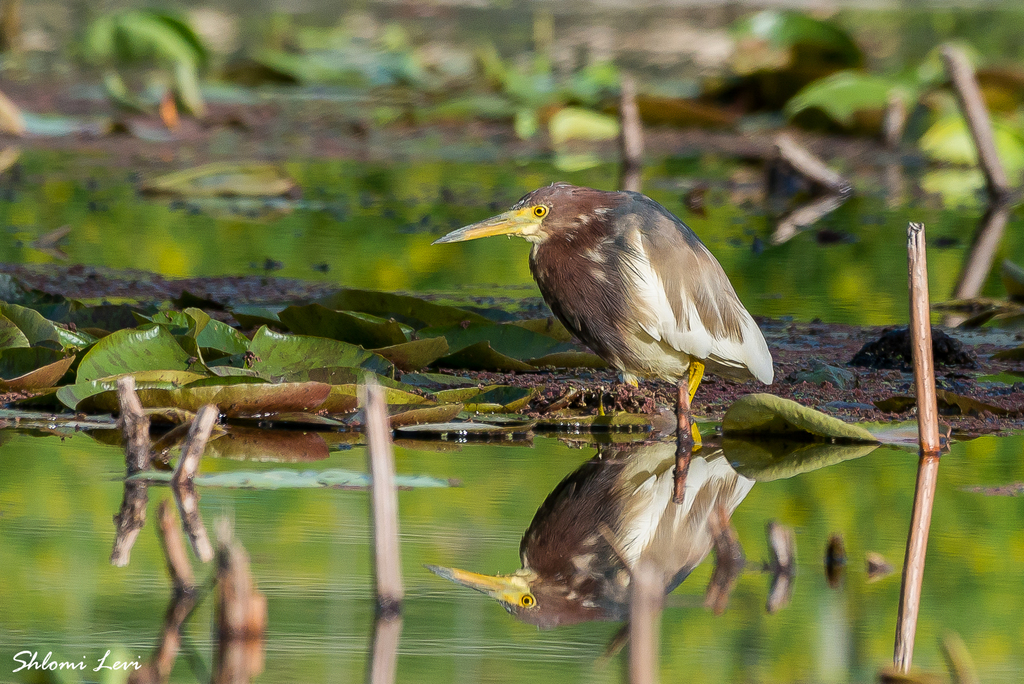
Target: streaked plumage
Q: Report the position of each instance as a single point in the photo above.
(633, 282)
(619, 502)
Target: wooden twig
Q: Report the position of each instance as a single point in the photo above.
(809, 165)
(384, 498)
(195, 444)
(387, 630)
(928, 467)
(965, 85)
(182, 484)
(644, 623)
(240, 614)
(134, 424)
(129, 521)
(631, 137)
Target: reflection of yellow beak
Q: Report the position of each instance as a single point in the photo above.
(520, 222)
(505, 588)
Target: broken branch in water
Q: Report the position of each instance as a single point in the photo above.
(134, 424)
(182, 485)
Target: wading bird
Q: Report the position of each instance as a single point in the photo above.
(636, 285)
(614, 512)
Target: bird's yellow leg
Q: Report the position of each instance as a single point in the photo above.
(696, 375)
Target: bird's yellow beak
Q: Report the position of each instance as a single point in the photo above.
(520, 222)
(509, 589)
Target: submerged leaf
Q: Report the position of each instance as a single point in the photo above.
(281, 446)
(766, 414)
(223, 179)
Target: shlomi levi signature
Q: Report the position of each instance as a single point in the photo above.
(29, 660)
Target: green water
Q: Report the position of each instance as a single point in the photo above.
(310, 556)
(370, 226)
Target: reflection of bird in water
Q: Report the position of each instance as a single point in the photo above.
(599, 523)
(635, 284)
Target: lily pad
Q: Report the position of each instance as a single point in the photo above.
(441, 413)
(412, 311)
(509, 340)
(255, 316)
(617, 420)
(949, 140)
(549, 326)
(846, 97)
(278, 354)
(345, 398)
(411, 356)
(481, 356)
(31, 368)
(501, 399)
(569, 359)
(438, 380)
(1015, 354)
(130, 351)
(1013, 280)
(238, 400)
(576, 123)
(293, 479)
(73, 395)
(223, 179)
(766, 414)
(316, 319)
(11, 336)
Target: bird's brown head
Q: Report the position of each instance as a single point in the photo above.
(528, 597)
(542, 213)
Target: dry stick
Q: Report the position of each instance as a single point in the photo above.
(805, 215)
(384, 502)
(983, 251)
(894, 121)
(182, 485)
(644, 623)
(631, 137)
(129, 521)
(928, 467)
(782, 547)
(808, 164)
(134, 424)
(384, 659)
(965, 85)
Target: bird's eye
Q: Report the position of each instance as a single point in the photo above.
(527, 601)
(540, 211)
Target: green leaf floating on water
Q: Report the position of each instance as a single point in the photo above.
(409, 310)
(442, 413)
(293, 479)
(565, 420)
(949, 140)
(243, 399)
(278, 354)
(500, 399)
(30, 368)
(481, 356)
(223, 179)
(946, 400)
(73, 395)
(38, 329)
(133, 350)
(766, 414)
(316, 319)
(411, 356)
(345, 398)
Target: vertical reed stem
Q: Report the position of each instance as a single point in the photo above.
(928, 467)
(384, 503)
